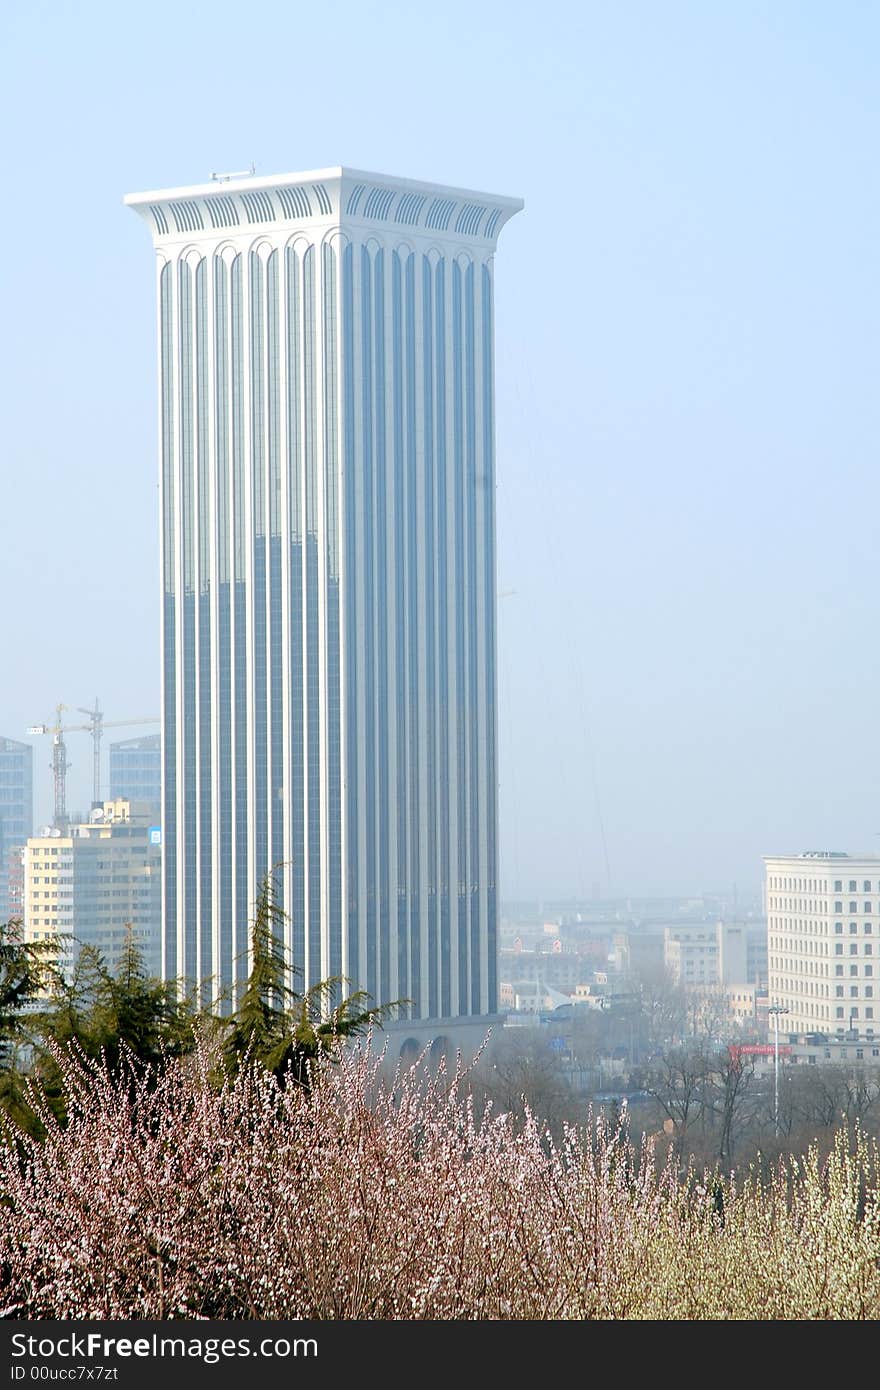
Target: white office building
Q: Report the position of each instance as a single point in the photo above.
(329, 589)
(821, 909)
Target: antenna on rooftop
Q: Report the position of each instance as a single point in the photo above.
(235, 174)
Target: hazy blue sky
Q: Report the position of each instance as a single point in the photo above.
(687, 365)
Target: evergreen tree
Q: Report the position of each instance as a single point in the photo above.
(259, 1025)
(140, 1015)
(26, 970)
(286, 1030)
(120, 1016)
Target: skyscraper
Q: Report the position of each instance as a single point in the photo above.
(16, 811)
(136, 771)
(328, 555)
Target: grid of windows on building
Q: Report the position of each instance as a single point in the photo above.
(821, 907)
(136, 771)
(16, 819)
(98, 885)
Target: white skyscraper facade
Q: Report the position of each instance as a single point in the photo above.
(329, 588)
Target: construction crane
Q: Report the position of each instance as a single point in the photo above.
(60, 766)
(96, 726)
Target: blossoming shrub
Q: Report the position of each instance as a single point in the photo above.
(168, 1196)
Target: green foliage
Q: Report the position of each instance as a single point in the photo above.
(141, 1014)
(24, 971)
(124, 1016)
(125, 1011)
(115, 1016)
(275, 1024)
(260, 1023)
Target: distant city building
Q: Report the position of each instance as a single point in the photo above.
(821, 909)
(48, 893)
(606, 990)
(814, 1050)
(716, 953)
(136, 770)
(98, 885)
(690, 953)
(15, 884)
(742, 1002)
(835, 1051)
(742, 953)
(532, 997)
(551, 963)
(639, 950)
(16, 815)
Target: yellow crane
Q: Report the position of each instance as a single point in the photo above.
(96, 726)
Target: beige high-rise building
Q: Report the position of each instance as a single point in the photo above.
(821, 908)
(97, 885)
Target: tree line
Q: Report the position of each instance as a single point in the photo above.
(697, 1097)
(125, 1015)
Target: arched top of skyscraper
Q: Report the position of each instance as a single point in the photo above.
(340, 197)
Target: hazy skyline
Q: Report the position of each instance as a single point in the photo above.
(686, 410)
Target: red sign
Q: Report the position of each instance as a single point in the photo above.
(757, 1050)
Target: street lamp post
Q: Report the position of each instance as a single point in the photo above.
(776, 1010)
